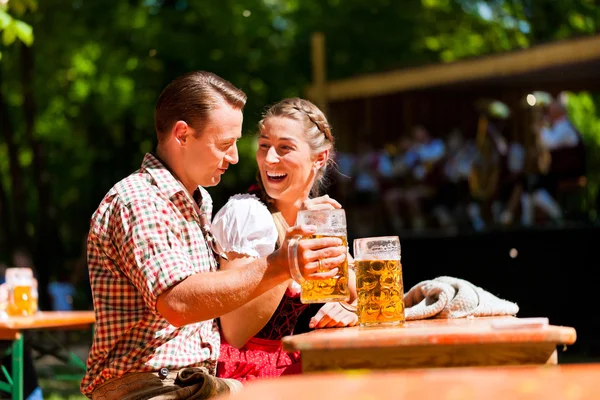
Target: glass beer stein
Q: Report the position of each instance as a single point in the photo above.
(379, 281)
(329, 223)
(22, 292)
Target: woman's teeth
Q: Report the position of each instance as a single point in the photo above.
(275, 176)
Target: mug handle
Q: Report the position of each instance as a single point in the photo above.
(345, 305)
(293, 260)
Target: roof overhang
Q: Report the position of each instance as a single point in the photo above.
(544, 63)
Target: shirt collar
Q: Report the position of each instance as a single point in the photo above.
(166, 181)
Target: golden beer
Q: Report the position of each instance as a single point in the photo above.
(22, 301)
(331, 289)
(380, 292)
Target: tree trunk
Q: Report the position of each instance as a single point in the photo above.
(17, 192)
(5, 233)
(48, 256)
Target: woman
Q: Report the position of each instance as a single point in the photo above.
(295, 148)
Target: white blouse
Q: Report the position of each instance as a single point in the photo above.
(245, 226)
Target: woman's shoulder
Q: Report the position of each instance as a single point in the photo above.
(246, 201)
(244, 225)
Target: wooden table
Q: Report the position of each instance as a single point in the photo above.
(430, 343)
(12, 328)
(564, 382)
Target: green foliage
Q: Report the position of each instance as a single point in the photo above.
(13, 28)
(584, 112)
(99, 68)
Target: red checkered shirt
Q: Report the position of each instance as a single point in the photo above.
(146, 237)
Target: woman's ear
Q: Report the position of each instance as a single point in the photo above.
(321, 159)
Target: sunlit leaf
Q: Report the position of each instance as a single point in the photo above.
(131, 64)
(522, 40)
(24, 32)
(5, 19)
(9, 34)
(432, 43)
(257, 86)
(447, 56)
(577, 21)
(80, 90)
(25, 158)
(435, 3)
(140, 19)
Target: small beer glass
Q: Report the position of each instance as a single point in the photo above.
(22, 292)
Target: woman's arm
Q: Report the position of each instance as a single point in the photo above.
(246, 321)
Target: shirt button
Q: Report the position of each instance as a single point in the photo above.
(163, 372)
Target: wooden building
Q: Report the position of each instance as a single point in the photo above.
(442, 96)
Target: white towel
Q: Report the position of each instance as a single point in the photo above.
(447, 297)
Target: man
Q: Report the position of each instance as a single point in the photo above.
(567, 161)
(152, 259)
(561, 134)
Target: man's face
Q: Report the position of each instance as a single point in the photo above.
(208, 155)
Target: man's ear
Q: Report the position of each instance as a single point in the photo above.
(180, 132)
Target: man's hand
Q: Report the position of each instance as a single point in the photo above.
(315, 258)
(333, 315)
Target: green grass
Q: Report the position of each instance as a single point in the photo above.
(61, 390)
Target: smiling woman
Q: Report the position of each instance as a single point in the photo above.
(284, 159)
(295, 139)
(295, 147)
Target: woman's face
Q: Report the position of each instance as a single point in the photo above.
(284, 160)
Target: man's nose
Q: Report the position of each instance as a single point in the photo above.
(232, 156)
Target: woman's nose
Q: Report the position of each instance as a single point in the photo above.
(272, 156)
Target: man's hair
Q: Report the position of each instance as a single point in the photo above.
(191, 98)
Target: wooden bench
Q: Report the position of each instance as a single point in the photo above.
(565, 382)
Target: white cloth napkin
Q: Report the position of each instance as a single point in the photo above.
(447, 297)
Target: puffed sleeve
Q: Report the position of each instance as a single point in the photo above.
(245, 226)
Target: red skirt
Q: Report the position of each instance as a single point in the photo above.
(259, 358)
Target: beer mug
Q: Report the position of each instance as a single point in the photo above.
(22, 292)
(329, 223)
(379, 281)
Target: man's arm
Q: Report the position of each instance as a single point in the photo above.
(205, 296)
(151, 254)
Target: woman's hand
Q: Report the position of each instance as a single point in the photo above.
(333, 315)
(321, 203)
